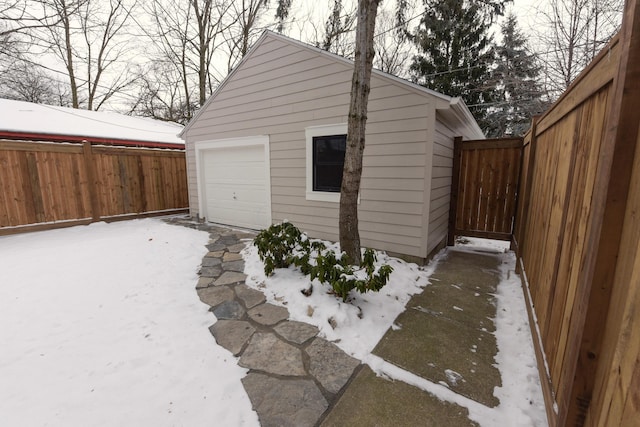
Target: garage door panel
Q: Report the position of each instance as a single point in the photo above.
(226, 210)
(236, 189)
(253, 195)
(245, 154)
(240, 154)
(245, 219)
(237, 172)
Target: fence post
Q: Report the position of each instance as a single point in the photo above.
(524, 195)
(455, 181)
(513, 242)
(91, 179)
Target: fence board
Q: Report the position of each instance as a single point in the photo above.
(52, 182)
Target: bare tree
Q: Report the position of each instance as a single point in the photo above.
(251, 18)
(360, 88)
(23, 16)
(393, 48)
(337, 34)
(10, 50)
(161, 94)
(24, 81)
(248, 16)
(187, 35)
(192, 39)
(572, 33)
(87, 36)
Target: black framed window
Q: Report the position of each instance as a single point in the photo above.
(328, 162)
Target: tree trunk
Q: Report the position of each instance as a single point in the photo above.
(352, 172)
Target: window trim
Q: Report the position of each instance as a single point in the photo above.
(310, 133)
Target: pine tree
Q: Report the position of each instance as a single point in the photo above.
(519, 96)
(456, 51)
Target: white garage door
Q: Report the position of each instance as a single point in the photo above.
(236, 188)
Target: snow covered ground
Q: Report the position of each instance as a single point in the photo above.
(101, 325)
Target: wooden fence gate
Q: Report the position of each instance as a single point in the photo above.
(484, 188)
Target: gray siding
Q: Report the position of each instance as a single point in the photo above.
(445, 131)
(440, 184)
(281, 89)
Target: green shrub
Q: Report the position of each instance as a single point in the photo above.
(282, 245)
(276, 244)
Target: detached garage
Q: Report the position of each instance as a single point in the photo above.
(268, 145)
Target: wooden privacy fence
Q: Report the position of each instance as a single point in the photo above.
(577, 240)
(484, 188)
(53, 184)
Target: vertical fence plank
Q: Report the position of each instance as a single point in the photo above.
(36, 200)
(6, 182)
(89, 164)
(523, 188)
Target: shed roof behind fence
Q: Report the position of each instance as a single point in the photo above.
(26, 120)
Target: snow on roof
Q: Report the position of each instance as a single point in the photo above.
(29, 118)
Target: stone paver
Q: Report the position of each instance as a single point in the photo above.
(228, 256)
(268, 314)
(228, 240)
(236, 248)
(330, 365)
(296, 332)
(249, 296)
(233, 266)
(230, 278)
(216, 247)
(232, 334)
(215, 295)
(211, 262)
(285, 402)
(204, 282)
(210, 271)
(216, 254)
(267, 353)
(229, 310)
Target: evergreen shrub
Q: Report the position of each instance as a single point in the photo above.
(282, 245)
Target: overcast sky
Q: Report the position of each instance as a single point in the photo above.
(309, 16)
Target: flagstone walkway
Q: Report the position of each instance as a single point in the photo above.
(294, 375)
